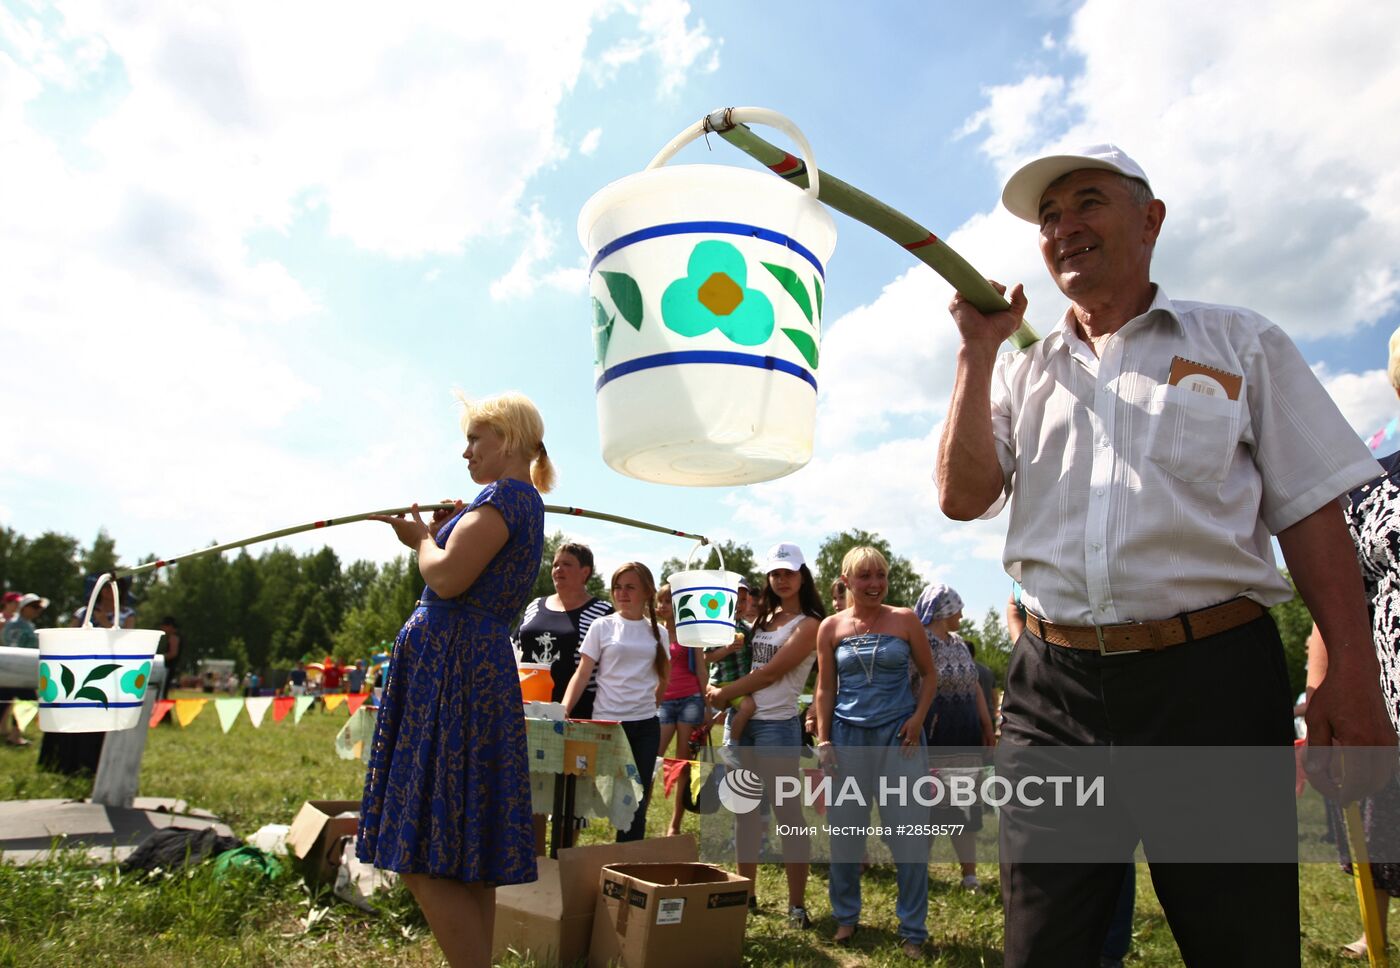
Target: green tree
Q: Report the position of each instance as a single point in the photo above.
(101, 557)
(377, 617)
(49, 566)
(1294, 623)
(905, 582)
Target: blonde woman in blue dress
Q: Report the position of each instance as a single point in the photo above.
(447, 795)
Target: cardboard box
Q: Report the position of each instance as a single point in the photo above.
(551, 919)
(672, 915)
(316, 830)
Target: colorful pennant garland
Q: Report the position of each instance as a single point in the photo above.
(187, 709)
(25, 710)
(257, 709)
(303, 703)
(228, 710)
(332, 700)
(159, 710)
(280, 707)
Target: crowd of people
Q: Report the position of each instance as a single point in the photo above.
(1147, 450)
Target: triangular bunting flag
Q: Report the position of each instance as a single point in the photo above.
(355, 700)
(332, 700)
(25, 710)
(280, 707)
(228, 710)
(257, 709)
(672, 769)
(303, 704)
(159, 710)
(187, 709)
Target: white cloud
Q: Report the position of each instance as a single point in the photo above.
(1272, 200)
(1272, 203)
(589, 144)
(668, 35)
(177, 385)
(528, 272)
(1367, 399)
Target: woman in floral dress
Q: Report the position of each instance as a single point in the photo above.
(447, 796)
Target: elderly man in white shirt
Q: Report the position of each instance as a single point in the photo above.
(1148, 448)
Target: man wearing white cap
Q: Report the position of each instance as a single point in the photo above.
(1148, 449)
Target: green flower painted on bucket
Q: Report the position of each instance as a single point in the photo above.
(714, 293)
(134, 681)
(48, 686)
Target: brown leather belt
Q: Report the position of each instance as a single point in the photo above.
(1148, 636)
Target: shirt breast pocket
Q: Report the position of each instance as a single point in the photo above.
(1193, 435)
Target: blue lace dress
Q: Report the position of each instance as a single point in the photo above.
(448, 788)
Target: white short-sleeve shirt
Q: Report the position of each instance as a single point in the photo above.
(625, 651)
(1134, 499)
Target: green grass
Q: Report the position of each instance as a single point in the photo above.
(67, 912)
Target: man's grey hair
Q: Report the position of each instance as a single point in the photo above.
(1138, 189)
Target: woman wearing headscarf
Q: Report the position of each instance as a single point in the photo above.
(958, 717)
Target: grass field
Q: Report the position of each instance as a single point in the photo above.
(68, 913)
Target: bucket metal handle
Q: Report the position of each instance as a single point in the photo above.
(103, 579)
(691, 557)
(739, 116)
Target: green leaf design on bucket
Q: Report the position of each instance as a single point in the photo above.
(69, 681)
(789, 281)
(805, 345)
(602, 331)
(714, 293)
(100, 672)
(48, 686)
(683, 609)
(93, 693)
(134, 681)
(626, 296)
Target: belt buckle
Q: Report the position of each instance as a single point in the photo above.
(1098, 634)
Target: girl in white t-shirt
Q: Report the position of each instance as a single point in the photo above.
(633, 666)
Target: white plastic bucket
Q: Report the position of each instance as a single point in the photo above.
(707, 286)
(703, 604)
(93, 680)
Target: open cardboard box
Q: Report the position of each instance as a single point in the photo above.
(671, 915)
(316, 831)
(552, 918)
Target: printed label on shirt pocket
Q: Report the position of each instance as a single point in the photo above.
(1193, 435)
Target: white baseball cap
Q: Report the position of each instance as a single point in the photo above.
(32, 599)
(786, 555)
(1023, 190)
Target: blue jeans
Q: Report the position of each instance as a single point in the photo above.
(911, 878)
(689, 710)
(771, 747)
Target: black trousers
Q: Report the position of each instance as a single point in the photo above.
(644, 736)
(1227, 690)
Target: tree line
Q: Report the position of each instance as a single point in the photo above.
(278, 609)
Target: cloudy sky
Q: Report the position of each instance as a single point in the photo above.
(248, 250)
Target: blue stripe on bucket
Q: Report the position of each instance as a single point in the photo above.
(704, 356)
(61, 657)
(711, 228)
(89, 705)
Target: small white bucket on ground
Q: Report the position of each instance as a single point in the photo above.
(707, 292)
(703, 602)
(93, 680)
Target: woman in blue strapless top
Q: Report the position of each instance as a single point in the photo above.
(870, 730)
